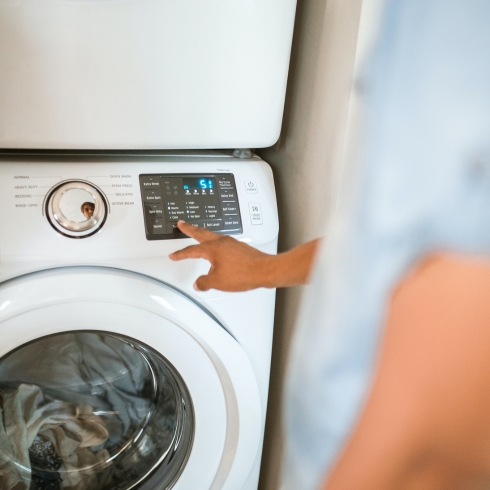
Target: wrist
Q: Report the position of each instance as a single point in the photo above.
(270, 271)
(277, 271)
(291, 268)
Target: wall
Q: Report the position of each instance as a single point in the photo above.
(303, 161)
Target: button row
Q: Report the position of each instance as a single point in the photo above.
(228, 196)
(229, 204)
(199, 192)
(195, 216)
(160, 227)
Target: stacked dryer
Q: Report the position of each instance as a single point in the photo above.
(121, 375)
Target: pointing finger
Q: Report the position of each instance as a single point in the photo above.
(198, 234)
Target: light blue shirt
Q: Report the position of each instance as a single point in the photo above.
(424, 186)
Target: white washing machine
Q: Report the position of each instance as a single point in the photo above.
(114, 372)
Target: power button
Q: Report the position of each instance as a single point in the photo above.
(251, 187)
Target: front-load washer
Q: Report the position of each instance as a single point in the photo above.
(114, 372)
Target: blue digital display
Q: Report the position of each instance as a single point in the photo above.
(199, 183)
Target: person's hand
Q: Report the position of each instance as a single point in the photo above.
(235, 266)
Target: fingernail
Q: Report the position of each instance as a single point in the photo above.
(180, 221)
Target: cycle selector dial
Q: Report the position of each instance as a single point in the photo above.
(76, 209)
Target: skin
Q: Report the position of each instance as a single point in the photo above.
(426, 423)
(236, 266)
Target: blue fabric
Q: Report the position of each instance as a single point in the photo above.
(424, 186)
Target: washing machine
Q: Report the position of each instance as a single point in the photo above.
(114, 372)
(117, 118)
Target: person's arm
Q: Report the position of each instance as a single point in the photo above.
(426, 425)
(236, 266)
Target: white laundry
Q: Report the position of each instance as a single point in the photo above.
(87, 369)
(72, 429)
(106, 378)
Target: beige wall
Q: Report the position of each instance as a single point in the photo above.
(312, 140)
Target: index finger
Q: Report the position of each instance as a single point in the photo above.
(198, 234)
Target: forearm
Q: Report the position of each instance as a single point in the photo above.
(289, 268)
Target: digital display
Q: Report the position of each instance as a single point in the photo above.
(199, 183)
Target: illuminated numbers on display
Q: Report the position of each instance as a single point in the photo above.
(198, 183)
(205, 184)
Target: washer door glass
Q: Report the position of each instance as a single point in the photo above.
(91, 410)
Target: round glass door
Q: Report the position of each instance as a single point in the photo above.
(91, 411)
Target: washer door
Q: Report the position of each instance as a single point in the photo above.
(110, 380)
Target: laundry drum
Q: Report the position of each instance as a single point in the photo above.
(91, 411)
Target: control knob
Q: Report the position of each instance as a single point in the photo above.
(76, 209)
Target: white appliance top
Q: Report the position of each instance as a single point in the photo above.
(143, 74)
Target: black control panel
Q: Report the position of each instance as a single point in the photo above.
(206, 200)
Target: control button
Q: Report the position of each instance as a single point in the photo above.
(230, 208)
(224, 182)
(176, 231)
(152, 196)
(228, 195)
(150, 183)
(213, 225)
(156, 226)
(251, 187)
(231, 223)
(199, 224)
(255, 213)
(153, 210)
